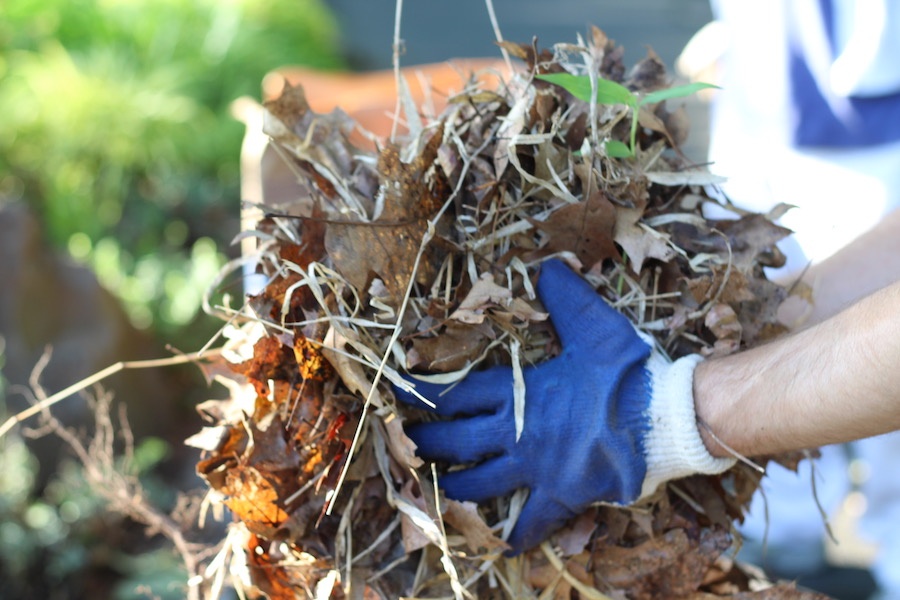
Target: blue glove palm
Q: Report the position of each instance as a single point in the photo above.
(586, 417)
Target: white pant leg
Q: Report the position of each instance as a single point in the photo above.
(794, 518)
(881, 521)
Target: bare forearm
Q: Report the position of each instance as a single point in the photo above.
(867, 264)
(834, 382)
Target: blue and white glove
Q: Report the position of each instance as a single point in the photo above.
(607, 420)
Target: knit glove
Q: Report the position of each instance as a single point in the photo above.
(607, 420)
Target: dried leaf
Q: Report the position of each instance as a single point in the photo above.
(255, 501)
(750, 237)
(676, 122)
(208, 438)
(311, 364)
(269, 448)
(350, 371)
(457, 345)
(512, 125)
(514, 49)
(759, 317)
(401, 447)
(417, 526)
(483, 295)
(670, 566)
(648, 74)
(464, 517)
(723, 322)
(271, 576)
(586, 229)
(574, 538)
(732, 291)
(215, 468)
(391, 244)
(271, 361)
(639, 242)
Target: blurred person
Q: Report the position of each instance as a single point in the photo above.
(809, 115)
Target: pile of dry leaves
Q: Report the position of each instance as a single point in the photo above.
(421, 257)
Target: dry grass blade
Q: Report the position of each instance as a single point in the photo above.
(79, 386)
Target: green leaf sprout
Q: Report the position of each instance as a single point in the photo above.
(610, 92)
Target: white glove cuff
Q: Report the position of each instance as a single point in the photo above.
(673, 445)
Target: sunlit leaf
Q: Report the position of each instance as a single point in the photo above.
(608, 92)
(675, 92)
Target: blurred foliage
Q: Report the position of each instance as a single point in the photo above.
(116, 130)
(57, 538)
(63, 537)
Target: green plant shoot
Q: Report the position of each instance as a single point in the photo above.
(610, 92)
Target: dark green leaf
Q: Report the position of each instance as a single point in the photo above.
(608, 92)
(675, 92)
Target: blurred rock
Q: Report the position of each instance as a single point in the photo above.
(46, 299)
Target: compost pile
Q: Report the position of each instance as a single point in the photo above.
(421, 257)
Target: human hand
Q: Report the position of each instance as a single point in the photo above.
(596, 417)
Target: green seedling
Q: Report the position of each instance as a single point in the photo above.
(610, 92)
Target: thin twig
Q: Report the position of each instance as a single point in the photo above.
(497, 34)
(395, 61)
(85, 383)
(759, 469)
(815, 492)
(122, 491)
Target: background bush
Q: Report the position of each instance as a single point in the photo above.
(116, 130)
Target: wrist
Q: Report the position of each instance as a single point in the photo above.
(675, 446)
(710, 415)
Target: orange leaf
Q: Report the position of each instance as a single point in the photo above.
(254, 500)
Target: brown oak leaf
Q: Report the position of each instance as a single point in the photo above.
(584, 228)
(388, 247)
(640, 243)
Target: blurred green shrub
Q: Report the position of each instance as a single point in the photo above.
(116, 130)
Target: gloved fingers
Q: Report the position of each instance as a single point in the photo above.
(461, 441)
(576, 309)
(480, 392)
(537, 521)
(495, 477)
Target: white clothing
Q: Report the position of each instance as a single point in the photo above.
(839, 192)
